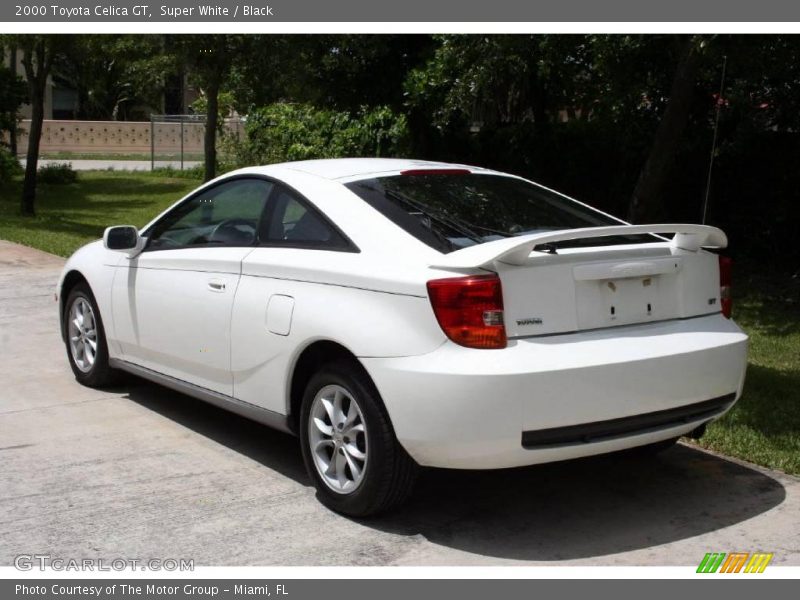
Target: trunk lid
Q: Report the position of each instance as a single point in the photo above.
(576, 289)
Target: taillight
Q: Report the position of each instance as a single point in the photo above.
(725, 280)
(470, 310)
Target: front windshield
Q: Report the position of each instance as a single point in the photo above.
(453, 211)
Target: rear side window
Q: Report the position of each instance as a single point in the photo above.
(293, 223)
(453, 211)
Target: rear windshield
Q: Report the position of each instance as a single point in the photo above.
(453, 211)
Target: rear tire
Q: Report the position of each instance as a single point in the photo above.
(349, 447)
(85, 338)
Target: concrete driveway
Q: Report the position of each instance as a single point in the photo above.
(142, 472)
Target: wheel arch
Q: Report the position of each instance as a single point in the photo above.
(308, 361)
(71, 279)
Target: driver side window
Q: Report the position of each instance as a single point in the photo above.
(227, 214)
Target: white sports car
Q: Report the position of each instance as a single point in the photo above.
(398, 313)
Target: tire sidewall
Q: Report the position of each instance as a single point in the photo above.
(379, 445)
(95, 375)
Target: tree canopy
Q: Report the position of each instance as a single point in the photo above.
(624, 122)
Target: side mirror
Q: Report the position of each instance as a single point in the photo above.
(123, 238)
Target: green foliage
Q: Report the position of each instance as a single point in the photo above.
(227, 105)
(579, 113)
(68, 217)
(208, 57)
(764, 426)
(9, 165)
(284, 132)
(576, 112)
(115, 76)
(13, 93)
(348, 71)
(210, 61)
(57, 174)
(192, 173)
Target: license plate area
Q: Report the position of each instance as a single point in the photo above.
(610, 302)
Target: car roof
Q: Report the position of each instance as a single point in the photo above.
(358, 168)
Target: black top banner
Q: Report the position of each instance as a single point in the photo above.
(38, 11)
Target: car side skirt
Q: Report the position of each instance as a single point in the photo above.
(245, 409)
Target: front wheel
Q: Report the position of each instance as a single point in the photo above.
(85, 337)
(348, 444)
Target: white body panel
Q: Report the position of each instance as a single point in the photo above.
(578, 288)
(365, 321)
(171, 311)
(477, 402)
(98, 266)
(517, 250)
(234, 321)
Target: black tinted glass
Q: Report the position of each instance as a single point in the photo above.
(294, 223)
(227, 214)
(452, 211)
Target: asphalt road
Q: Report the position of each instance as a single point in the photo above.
(142, 472)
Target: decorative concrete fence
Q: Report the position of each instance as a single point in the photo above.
(121, 137)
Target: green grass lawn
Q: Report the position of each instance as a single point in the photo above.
(71, 215)
(764, 427)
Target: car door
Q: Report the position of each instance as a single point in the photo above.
(172, 303)
(276, 290)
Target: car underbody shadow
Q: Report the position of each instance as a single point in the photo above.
(585, 508)
(274, 449)
(571, 510)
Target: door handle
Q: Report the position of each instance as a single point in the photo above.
(216, 286)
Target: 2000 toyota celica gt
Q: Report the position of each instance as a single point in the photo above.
(398, 313)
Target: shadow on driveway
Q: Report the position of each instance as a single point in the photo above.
(561, 511)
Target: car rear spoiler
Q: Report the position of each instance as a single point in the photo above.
(517, 250)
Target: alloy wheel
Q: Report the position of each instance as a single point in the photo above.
(338, 439)
(82, 332)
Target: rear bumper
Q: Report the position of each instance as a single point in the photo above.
(590, 433)
(561, 397)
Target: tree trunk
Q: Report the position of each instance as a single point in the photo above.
(12, 134)
(644, 203)
(210, 139)
(541, 122)
(420, 134)
(32, 164)
(36, 58)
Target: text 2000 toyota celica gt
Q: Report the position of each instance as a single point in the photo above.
(399, 313)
